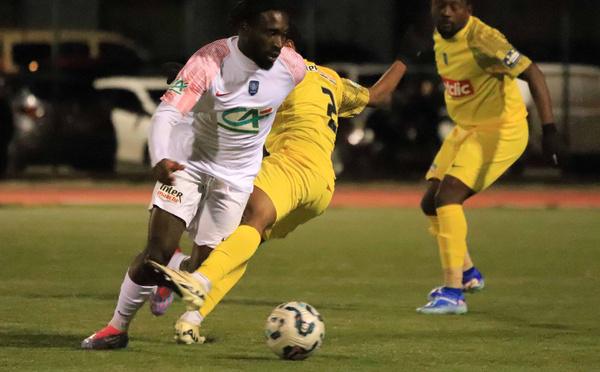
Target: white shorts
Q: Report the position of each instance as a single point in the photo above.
(211, 209)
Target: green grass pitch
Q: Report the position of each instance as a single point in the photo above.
(365, 270)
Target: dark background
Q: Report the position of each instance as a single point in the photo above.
(348, 30)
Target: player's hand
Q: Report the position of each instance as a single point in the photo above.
(163, 171)
(550, 143)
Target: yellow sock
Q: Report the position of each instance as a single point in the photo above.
(452, 237)
(221, 288)
(234, 251)
(434, 225)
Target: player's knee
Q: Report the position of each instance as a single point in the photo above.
(428, 205)
(452, 191)
(258, 216)
(447, 197)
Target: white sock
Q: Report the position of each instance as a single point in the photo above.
(176, 260)
(131, 298)
(192, 317)
(202, 279)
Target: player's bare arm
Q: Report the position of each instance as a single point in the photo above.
(541, 96)
(380, 94)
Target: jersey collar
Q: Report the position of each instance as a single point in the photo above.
(460, 35)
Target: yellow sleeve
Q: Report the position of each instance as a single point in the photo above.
(495, 54)
(354, 99)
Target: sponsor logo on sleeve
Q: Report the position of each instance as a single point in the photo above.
(458, 88)
(512, 58)
(169, 193)
(178, 86)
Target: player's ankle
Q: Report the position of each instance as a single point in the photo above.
(192, 317)
(110, 330)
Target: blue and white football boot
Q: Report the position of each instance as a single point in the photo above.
(472, 282)
(445, 301)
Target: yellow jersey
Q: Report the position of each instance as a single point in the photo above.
(306, 123)
(478, 67)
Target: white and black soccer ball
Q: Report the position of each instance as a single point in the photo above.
(294, 330)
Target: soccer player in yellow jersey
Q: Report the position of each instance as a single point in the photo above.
(295, 184)
(479, 68)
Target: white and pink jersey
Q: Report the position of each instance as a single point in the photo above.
(228, 105)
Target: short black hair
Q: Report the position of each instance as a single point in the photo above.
(249, 10)
(295, 35)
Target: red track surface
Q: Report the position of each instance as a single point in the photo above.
(345, 196)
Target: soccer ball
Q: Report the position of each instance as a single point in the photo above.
(294, 330)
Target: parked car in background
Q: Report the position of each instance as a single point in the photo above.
(60, 120)
(95, 52)
(134, 100)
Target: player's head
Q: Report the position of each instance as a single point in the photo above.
(450, 16)
(262, 26)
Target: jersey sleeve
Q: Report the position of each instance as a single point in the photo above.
(294, 63)
(496, 54)
(354, 99)
(196, 76)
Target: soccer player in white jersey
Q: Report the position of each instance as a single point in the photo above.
(206, 142)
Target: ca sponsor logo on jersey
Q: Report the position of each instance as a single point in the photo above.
(169, 193)
(178, 86)
(243, 120)
(458, 88)
(512, 58)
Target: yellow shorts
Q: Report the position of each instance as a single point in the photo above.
(479, 156)
(298, 193)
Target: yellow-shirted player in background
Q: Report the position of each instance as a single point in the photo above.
(295, 184)
(479, 68)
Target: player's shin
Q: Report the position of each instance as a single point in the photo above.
(434, 225)
(221, 288)
(231, 253)
(131, 298)
(452, 241)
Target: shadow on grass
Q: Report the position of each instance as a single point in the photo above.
(266, 302)
(32, 340)
(243, 357)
